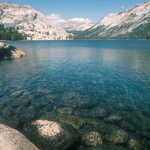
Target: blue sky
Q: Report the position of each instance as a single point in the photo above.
(92, 9)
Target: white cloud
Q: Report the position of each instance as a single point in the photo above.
(57, 18)
(53, 16)
(83, 20)
(69, 24)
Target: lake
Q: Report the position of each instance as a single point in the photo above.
(106, 81)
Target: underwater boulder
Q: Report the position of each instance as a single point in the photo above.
(118, 136)
(92, 138)
(51, 135)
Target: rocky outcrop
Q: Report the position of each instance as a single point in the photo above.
(11, 139)
(51, 135)
(9, 52)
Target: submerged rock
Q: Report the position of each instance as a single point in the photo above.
(92, 139)
(113, 119)
(103, 147)
(17, 93)
(11, 139)
(133, 144)
(65, 110)
(51, 135)
(9, 52)
(127, 126)
(92, 113)
(98, 112)
(117, 136)
(75, 122)
(98, 125)
(75, 100)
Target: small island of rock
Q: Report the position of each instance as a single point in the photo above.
(8, 52)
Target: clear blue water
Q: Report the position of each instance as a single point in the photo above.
(110, 74)
(105, 69)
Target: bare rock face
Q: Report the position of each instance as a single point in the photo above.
(30, 22)
(11, 139)
(128, 24)
(8, 52)
(50, 135)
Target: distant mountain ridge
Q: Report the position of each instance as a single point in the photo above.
(133, 23)
(30, 22)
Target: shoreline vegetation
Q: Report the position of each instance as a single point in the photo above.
(10, 33)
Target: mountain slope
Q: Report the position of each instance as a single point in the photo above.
(30, 22)
(131, 24)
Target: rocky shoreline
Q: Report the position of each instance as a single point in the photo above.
(8, 52)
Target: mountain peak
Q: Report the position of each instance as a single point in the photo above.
(30, 22)
(132, 23)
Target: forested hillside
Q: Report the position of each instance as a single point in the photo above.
(10, 33)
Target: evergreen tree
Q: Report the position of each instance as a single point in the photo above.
(10, 33)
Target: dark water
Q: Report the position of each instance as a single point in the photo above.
(82, 76)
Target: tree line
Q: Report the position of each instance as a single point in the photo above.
(10, 33)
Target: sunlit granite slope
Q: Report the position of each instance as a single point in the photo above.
(133, 23)
(30, 22)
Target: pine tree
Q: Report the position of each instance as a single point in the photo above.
(10, 33)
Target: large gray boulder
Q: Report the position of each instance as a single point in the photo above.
(9, 52)
(11, 139)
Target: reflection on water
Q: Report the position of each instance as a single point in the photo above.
(111, 77)
(135, 60)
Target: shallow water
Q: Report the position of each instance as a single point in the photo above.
(80, 75)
